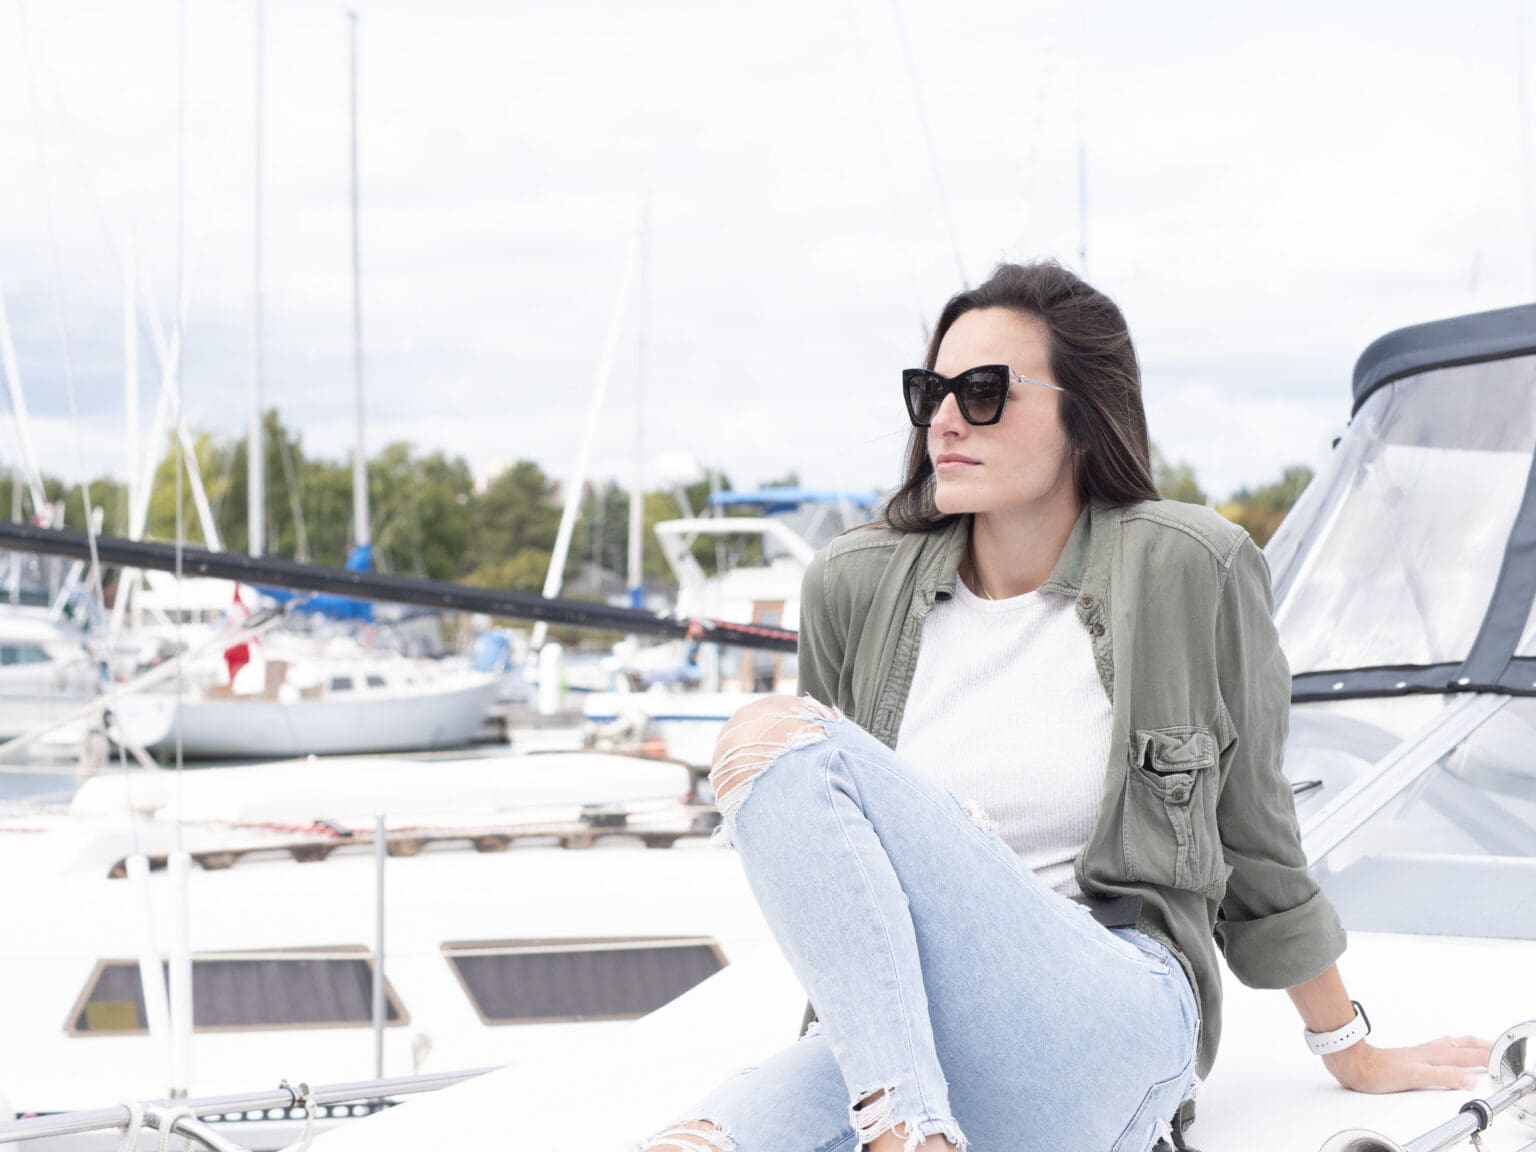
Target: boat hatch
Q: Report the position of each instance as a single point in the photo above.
(23, 654)
(548, 981)
(243, 991)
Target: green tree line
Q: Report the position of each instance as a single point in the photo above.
(1259, 510)
(428, 517)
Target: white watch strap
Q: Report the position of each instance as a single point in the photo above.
(1322, 1043)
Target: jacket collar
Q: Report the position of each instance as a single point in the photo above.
(1082, 561)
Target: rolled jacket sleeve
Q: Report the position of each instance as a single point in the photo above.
(819, 648)
(1276, 928)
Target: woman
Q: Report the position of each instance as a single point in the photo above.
(1097, 673)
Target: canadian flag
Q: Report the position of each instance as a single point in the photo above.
(237, 656)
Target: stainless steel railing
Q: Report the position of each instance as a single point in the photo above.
(185, 1115)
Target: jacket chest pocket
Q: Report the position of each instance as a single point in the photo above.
(1170, 832)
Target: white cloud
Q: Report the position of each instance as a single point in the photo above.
(1268, 190)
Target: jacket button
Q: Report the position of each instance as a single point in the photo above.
(1096, 630)
(1179, 794)
(1085, 601)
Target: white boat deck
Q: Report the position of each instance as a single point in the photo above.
(1266, 1094)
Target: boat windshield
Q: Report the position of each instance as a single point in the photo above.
(1454, 852)
(1406, 540)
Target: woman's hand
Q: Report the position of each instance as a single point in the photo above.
(1450, 1062)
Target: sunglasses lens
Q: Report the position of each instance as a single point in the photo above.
(979, 392)
(981, 395)
(925, 392)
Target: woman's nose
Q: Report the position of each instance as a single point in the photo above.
(948, 418)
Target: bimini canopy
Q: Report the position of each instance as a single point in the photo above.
(1409, 565)
(1404, 581)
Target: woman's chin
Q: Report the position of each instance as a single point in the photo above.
(952, 503)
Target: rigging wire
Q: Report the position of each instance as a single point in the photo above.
(181, 528)
(295, 498)
(148, 314)
(57, 284)
(1523, 102)
(933, 152)
(1082, 142)
(74, 407)
(16, 435)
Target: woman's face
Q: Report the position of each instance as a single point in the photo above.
(1025, 459)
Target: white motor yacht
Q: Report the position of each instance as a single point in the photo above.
(46, 673)
(678, 695)
(1406, 599)
(485, 882)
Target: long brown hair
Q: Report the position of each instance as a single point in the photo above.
(1092, 358)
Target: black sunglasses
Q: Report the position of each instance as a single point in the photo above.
(979, 392)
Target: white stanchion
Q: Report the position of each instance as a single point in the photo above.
(180, 864)
(151, 969)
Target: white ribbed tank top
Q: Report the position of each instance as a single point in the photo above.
(1007, 710)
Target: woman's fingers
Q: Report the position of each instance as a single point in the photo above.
(1451, 1062)
(1470, 1051)
(1407, 1075)
(1454, 1077)
(1462, 1051)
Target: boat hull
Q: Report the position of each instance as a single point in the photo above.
(229, 728)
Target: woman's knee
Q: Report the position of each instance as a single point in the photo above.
(756, 734)
(690, 1136)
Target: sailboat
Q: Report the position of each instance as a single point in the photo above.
(293, 696)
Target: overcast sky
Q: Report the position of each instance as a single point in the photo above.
(1269, 187)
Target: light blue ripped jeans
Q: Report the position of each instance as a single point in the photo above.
(956, 995)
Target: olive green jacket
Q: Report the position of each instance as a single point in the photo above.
(1196, 817)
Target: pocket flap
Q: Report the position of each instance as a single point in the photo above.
(1179, 749)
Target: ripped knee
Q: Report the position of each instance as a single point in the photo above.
(690, 1136)
(758, 733)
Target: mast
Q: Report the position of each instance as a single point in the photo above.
(1082, 209)
(359, 454)
(637, 492)
(255, 452)
(34, 473)
(129, 580)
(131, 370)
(554, 579)
(1082, 146)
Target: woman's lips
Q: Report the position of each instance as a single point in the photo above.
(952, 462)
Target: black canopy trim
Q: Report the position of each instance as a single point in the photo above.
(1472, 339)
(1517, 679)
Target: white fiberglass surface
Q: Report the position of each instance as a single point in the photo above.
(1454, 853)
(1400, 568)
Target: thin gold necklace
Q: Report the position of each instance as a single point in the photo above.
(976, 579)
(970, 560)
